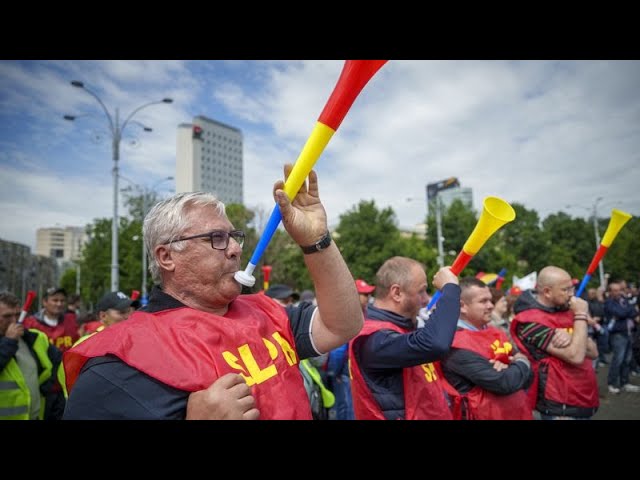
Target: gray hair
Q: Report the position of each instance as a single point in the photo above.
(167, 220)
(395, 270)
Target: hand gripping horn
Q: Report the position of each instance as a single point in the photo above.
(495, 213)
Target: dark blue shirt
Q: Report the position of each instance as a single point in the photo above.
(382, 355)
(620, 315)
(109, 389)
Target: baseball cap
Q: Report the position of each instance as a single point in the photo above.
(307, 296)
(281, 292)
(53, 291)
(364, 287)
(116, 300)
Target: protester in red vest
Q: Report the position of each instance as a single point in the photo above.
(550, 327)
(199, 349)
(60, 327)
(112, 308)
(393, 376)
(484, 374)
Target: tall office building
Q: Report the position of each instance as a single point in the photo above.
(465, 194)
(60, 243)
(209, 159)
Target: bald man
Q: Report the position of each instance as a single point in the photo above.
(550, 327)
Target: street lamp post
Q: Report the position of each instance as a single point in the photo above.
(594, 217)
(145, 192)
(597, 236)
(116, 130)
(440, 239)
(145, 210)
(439, 230)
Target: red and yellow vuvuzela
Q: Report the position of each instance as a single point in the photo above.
(355, 75)
(266, 273)
(617, 221)
(27, 304)
(495, 213)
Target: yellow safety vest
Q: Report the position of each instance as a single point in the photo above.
(15, 399)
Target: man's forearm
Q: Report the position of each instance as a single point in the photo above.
(340, 314)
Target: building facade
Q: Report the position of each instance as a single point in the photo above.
(465, 194)
(21, 271)
(209, 159)
(61, 243)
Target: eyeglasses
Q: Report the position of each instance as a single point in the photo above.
(219, 238)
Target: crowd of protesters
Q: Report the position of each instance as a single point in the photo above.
(201, 349)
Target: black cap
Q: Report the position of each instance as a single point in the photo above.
(116, 300)
(281, 292)
(53, 291)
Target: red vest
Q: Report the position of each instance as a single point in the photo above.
(63, 335)
(566, 384)
(490, 343)
(91, 327)
(189, 349)
(424, 397)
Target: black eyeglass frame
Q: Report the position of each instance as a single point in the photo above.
(227, 235)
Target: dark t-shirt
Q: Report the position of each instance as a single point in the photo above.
(109, 389)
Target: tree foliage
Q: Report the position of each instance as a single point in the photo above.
(367, 236)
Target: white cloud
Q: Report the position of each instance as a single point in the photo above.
(544, 134)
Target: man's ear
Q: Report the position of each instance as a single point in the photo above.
(463, 308)
(164, 257)
(394, 292)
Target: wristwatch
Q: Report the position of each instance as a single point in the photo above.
(321, 244)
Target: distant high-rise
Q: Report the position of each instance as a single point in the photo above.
(62, 243)
(209, 159)
(465, 194)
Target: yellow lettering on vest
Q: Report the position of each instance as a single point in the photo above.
(289, 353)
(505, 348)
(273, 351)
(232, 361)
(67, 341)
(259, 375)
(429, 372)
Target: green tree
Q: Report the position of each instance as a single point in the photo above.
(526, 239)
(571, 242)
(241, 218)
(68, 280)
(96, 261)
(368, 236)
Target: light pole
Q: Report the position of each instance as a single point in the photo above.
(146, 194)
(440, 238)
(439, 230)
(597, 236)
(145, 296)
(116, 130)
(78, 278)
(594, 216)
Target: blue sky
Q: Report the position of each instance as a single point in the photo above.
(546, 134)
